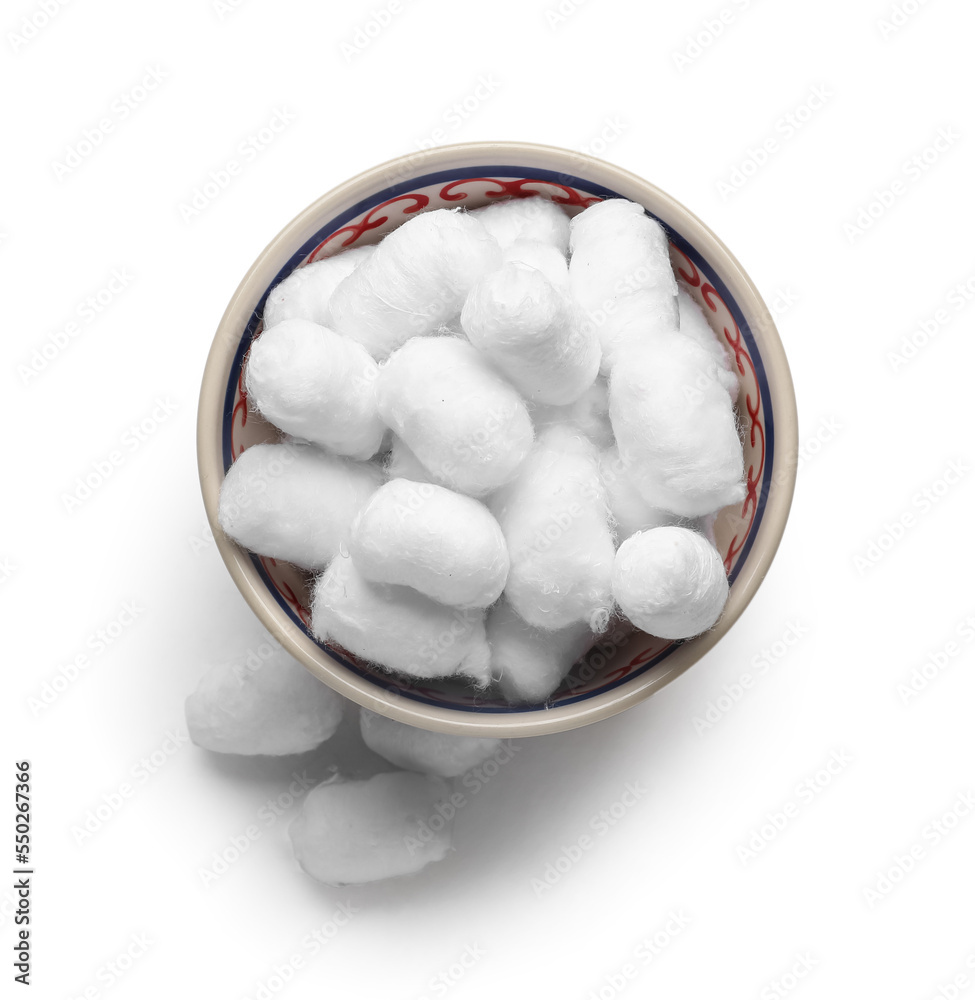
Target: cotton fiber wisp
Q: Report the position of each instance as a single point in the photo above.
(353, 832)
(675, 427)
(307, 291)
(630, 512)
(401, 463)
(294, 501)
(416, 280)
(535, 218)
(465, 423)
(397, 627)
(670, 582)
(620, 275)
(555, 520)
(443, 754)
(516, 317)
(443, 544)
(528, 663)
(317, 385)
(269, 705)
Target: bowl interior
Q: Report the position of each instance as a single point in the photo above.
(623, 654)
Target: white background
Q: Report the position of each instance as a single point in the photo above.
(875, 434)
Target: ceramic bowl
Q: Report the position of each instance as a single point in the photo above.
(625, 666)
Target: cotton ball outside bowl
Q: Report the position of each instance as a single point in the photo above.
(625, 666)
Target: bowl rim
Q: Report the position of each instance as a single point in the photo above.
(779, 386)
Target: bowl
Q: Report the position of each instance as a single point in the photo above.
(626, 666)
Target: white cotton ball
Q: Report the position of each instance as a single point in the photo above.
(353, 832)
(416, 281)
(306, 292)
(293, 501)
(398, 628)
(534, 218)
(529, 664)
(670, 582)
(675, 427)
(620, 275)
(548, 259)
(694, 324)
(528, 328)
(318, 385)
(555, 520)
(464, 422)
(630, 512)
(589, 414)
(401, 463)
(262, 705)
(443, 544)
(447, 756)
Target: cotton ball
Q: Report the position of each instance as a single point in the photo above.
(306, 292)
(676, 428)
(630, 512)
(443, 544)
(555, 520)
(548, 259)
(464, 422)
(270, 705)
(416, 280)
(447, 756)
(353, 832)
(528, 663)
(317, 385)
(516, 317)
(293, 501)
(401, 463)
(620, 275)
(397, 627)
(589, 414)
(534, 218)
(670, 582)
(694, 324)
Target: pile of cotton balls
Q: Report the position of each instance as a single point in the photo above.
(502, 428)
